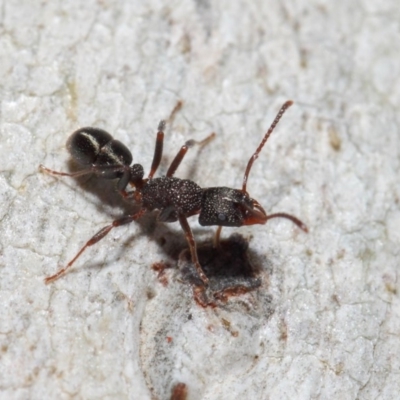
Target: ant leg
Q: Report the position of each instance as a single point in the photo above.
(158, 149)
(96, 238)
(217, 237)
(99, 170)
(176, 109)
(160, 140)
(181, 154)
(94, 169)
(295, 220)
(193, 248)
(49, 171)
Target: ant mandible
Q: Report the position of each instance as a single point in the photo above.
(177, 199)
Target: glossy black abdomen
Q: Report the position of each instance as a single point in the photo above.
(95, 147)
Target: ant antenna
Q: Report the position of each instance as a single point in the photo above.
(261, 145)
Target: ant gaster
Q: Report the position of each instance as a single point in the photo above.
(177, 199)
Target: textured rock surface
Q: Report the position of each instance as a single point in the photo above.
(325, 323)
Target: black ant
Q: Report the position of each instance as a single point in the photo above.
(177, 199)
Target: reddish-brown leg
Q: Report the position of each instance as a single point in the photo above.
(94, 169)
(96, 238)
(176, 109)
(158, 149)
(217, 237)
(182, 152)
(160, 140)
(193, 248)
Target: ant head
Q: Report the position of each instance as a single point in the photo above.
(224, 206)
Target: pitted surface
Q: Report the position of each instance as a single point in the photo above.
(177, 195)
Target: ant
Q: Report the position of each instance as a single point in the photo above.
(177, 199)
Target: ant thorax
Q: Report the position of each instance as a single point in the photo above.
(172, 196)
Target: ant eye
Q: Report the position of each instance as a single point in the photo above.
(222, 216)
